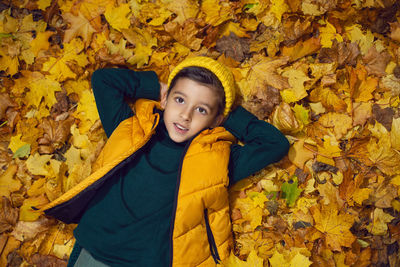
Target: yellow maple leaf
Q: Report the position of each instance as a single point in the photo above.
(43, 4)
(119, 49)
(7, 182)
(328, 34)
(329, 150)
(36, 164)
(252, 261)
(58, 69)
(216, 12)
(41, 42)
(383, 156)
(334, 225)
(16, 143)
(235, 28)
(278, 7)
(140, 56)
(87, 107)
(296, 79)
(42, 88)
(299, 260)
(364, 91)
(361, 194)
(379, 222)
(37, 188)
(26, 213)
(118, 17)
(340, 122)
(278, 260)
(8, 63)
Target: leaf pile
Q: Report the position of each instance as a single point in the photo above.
(326, 73)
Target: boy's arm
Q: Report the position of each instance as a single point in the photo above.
(263, 144)
(112, 86)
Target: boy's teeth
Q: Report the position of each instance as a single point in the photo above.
(180, 127)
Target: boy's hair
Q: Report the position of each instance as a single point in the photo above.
(205, 77)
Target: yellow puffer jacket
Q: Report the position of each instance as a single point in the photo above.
(201, 231)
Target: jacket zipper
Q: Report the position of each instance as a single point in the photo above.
(175, 204)
(211, 240)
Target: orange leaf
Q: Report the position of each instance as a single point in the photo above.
(334, 225)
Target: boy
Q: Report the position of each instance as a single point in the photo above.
(158, 194)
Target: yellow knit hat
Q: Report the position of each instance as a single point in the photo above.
(221, 71)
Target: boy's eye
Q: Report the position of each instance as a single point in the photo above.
(202, 110)
(179, 100)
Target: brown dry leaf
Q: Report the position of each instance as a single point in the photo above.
(395, 31)
(55, 135)
(5, 103)
(11, 245)
(375, 62)
(341, 53)
(233, 46)
(263, 102)
(25, 231)
(8, 215)
(383, 115)
(284, 119)
(47, 261)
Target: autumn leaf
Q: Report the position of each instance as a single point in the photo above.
(379, 222)
(8, 182)
(8, 216)
(291, 191)
(334, 225)
(80, 26)
(264, 73)
(326, 73)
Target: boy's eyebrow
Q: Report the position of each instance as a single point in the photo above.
(183, 94)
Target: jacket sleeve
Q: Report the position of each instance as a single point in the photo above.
(263, 144)
(112, 86)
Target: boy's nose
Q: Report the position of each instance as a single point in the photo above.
(186, 114)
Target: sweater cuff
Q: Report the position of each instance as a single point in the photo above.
(238, 121)
(149, 86)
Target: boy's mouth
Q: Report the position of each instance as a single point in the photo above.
(180, 129)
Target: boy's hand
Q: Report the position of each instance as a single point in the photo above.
(163, 90)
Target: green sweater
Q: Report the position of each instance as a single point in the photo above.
(128, 221)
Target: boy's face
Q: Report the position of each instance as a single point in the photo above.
(189, 108)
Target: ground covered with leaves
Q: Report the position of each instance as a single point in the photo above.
(325, 72)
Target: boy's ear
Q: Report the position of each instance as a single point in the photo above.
(163, 101)
(218, 120)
